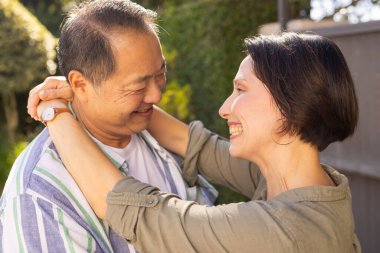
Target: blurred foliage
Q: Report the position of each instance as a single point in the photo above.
(202, 43)
(49, 12)
(207, 37)
(161, 5)
(27, 53)
(27, 48)
(299, 9)
(8, 154)
(175, 100)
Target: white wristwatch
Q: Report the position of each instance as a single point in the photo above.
(50, 113)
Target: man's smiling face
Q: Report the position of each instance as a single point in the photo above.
(122, 105)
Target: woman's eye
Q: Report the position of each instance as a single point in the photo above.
(239, 91)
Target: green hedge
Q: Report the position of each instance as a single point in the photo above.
(27, 47)
(8, 154)
(207, 40)
(27, 54)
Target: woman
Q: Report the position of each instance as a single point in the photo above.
(292, 96)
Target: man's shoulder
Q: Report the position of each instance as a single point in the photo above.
(33, 167)
(38, 174)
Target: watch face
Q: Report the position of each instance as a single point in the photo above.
(48, 114)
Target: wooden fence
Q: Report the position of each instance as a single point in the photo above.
(359, 156)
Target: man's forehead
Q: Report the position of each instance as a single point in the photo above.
(129, 35)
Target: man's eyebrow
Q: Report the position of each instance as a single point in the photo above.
(146, 77)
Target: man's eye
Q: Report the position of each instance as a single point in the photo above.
(239, 91)
(138, 91)
(161, 79)
(161, 76)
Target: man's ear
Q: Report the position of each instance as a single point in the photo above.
(79, 84)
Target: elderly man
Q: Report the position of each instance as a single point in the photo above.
(110, 54)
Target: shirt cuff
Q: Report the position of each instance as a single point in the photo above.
(124, 202)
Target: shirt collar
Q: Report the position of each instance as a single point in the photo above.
(115, 158)
(319, 192)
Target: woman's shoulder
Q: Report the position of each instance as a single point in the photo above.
(315, 214)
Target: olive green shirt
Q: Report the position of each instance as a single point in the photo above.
(309, 219)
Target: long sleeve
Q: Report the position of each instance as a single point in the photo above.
(157, 222)
(308, 219)
(208, 154)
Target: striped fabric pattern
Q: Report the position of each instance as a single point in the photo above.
(43, 210)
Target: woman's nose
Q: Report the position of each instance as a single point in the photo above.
(225, 109)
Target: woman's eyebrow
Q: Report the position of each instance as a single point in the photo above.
(239, 81)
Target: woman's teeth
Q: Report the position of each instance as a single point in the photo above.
(236, 130)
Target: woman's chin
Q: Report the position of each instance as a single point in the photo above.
(235, 152)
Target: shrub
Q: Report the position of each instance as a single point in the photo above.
(207, 37)
(27, 53)
(8, 154)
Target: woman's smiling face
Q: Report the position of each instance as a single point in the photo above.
(252, 115)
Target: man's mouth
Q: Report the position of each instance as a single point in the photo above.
(144, 111)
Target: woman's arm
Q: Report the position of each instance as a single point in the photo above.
(91, 169)
(208, 154)
(170, 132)
(142, 214)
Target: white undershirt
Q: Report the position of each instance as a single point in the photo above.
(142, 164)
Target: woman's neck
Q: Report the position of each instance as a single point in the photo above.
(292, 166)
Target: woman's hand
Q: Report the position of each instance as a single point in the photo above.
(54, 87)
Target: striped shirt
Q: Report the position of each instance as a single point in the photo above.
(43, 210)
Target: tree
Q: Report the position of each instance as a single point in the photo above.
(353, 11)
(49, 12)
(27, 53)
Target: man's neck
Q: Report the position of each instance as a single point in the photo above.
(104, 137)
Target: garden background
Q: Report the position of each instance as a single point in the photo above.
(202, 42)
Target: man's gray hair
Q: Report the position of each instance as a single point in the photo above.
(85, 44)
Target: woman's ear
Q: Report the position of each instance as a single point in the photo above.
(79, 84)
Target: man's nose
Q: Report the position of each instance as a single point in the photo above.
(153, 94)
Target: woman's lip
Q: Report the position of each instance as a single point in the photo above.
(233, 123)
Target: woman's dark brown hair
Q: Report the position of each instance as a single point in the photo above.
(311, 84)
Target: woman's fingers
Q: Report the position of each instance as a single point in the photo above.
(52, 88)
